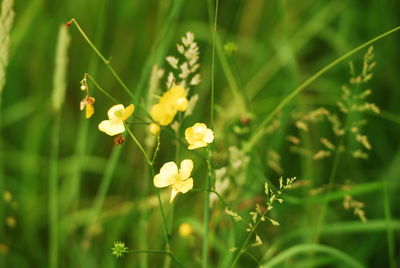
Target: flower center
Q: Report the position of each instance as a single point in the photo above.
(119, 113)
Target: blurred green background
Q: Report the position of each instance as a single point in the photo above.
(104, 192)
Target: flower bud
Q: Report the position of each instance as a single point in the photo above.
(154, 129)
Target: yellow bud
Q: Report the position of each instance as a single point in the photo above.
(83, 87)
(154, 129)
(185, 229)
(182, 104)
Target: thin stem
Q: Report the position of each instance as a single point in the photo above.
(206, 212)
(241, 249)
(53, 194)
(101, 89)
(164, 218)
(212, 191)
(139, 145)
(213, 66)
(105, 61)
(259, 132)
(156, 149)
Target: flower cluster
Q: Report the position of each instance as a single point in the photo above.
(162, 114)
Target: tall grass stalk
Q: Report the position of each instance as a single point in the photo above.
(57, 100)
(306, 248)
(260, 131)
(213, 16)
(6, 22)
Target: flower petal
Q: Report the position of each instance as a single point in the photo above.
(162, 181)
(186, 168)
(209, 136)
(128, 111)
(197, 144)
(112, 127)
(167, 174)
(186, 185)
(173, 194)
(89, 110)
(162, 114)
(113, 109)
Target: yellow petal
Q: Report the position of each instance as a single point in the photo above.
(89, 110)
(196, 145)
(186, 185)
(162, 114)
(128, 111)
(173, 194)
(182, 104)
(167, 174)
(114, 111)
(112, 127)
(186, 168)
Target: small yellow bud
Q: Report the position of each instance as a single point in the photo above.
(182, 104)
(185, 229)
(83, 87)
(154, 129)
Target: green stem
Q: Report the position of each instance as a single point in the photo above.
(163, 218)
(389, 227)
(241, 249)
(101, 89)
(139, 145)
(213, 65)
(105, 61)
(259, 132)
(156, 149)
(206, 212)
(53, 194)
(212, 191)
(346, 260)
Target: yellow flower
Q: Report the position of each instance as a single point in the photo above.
(154, 129)
(117, 114)
(185, 229)
(169, 104)
(198, 136)
(178, 180)
(87, 103)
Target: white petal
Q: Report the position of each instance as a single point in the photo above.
(186, 168)
(112, 127)
(161, 181)
(173, 194)
(209, 136)
(186, 186)
(113, 109)
(166, 176)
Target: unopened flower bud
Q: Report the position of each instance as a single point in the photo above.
(154, 129)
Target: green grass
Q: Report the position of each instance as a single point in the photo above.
(74, 192)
